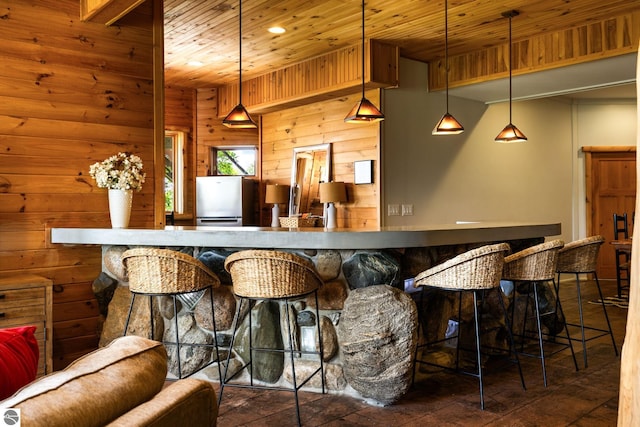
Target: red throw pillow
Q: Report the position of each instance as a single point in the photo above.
(19, 355)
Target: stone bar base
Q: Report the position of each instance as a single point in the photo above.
(368, 321)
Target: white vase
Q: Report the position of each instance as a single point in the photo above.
(120, 207)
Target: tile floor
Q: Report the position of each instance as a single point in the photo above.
(588, 397)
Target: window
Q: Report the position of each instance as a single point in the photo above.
(174, 146)
(233, 160)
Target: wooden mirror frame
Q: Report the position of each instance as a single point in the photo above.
(315, 174)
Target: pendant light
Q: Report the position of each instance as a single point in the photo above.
(364, 111)
(447, 125)
(510, 133)
(239, 117)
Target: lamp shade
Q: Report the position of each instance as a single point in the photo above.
(510, 133)
(364, 112)
(239, 118)
(277, 194)
(448, 125)
(332, 192)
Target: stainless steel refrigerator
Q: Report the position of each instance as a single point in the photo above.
(224, 201)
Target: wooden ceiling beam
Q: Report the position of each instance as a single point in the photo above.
(106, 11)
(606, 38)
(335, 74)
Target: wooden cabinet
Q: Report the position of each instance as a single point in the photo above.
(26, 300)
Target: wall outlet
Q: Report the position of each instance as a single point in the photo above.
(407, 210)
(393, 210)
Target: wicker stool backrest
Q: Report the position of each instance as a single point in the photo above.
(479, 268)
(580, 256)
(164, 271)
(271, 274)
(536, 263)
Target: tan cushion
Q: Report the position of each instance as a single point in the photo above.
(188, 402)
(97, 388)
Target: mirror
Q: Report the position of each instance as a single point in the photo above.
(311, 166)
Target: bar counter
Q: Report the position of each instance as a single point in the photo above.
(309, 238)
(368, 310)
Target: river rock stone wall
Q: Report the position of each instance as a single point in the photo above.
(368, 323)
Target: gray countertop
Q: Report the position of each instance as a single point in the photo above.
(308, 238)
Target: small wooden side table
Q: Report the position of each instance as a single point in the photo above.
(26, 299)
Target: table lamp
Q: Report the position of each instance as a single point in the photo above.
(331, 192)
(276, 194)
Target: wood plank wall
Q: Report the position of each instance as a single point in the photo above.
(316, 123)
(320, 123)
(71, 93)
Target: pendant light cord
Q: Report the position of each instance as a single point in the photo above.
(510, 66)
(446, 54)
(363, 49)
(240, 52)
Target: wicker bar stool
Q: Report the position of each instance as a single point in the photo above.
(474, 271)
(581, 257)
(280, 276)
(162, 272)
(534, 266)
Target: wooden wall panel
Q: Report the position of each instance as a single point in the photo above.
(71, 93)
(605, 38)
(281, 131)
(319, 123)
(325, 77)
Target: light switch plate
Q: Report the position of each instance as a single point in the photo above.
(407, 210)
(393, 210)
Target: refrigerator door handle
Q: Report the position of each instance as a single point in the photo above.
(220, 221)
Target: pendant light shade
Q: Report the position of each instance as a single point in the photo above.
(510, 133)
(364, 111)
(239, 117)
(448, 125)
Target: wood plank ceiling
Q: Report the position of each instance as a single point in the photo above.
(206, 31)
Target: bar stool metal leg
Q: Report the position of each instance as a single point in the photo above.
(293, 366)
(511, 340)
(476, 322)
(215, 334)
(175, 319)
(540, 340)
(566, 330)
(126, 323)
(581, 316)
(606, 316)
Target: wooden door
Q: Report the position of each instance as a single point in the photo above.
(610, 188)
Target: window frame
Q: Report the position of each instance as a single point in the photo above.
(179, 142)
(214, 158)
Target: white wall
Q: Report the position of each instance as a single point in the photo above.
(471, 177)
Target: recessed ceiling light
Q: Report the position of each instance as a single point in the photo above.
(276, 30)
(195, 63)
